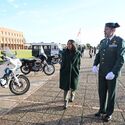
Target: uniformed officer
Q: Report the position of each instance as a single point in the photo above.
(110, 58)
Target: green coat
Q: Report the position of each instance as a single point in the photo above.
(110, 56)
(69, 71)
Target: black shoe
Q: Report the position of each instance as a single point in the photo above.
(99, 114)
(107, 118)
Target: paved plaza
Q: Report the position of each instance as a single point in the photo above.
(43, 103)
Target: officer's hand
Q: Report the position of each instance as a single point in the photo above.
(95, 69)
(110, 76)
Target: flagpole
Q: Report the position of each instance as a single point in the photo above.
(78, 40)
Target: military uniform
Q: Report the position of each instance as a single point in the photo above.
(110, 58)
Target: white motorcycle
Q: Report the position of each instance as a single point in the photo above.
(17, 83)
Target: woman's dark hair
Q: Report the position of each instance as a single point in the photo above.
(73, 44)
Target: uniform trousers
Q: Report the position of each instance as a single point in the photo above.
(107, 94)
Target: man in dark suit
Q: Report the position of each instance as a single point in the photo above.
(110, 58)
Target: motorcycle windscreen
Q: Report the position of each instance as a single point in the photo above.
(8, 52)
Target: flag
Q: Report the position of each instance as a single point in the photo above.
(79, 32)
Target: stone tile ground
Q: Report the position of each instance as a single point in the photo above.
(45, 105)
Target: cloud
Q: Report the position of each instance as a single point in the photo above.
(10, 1)
(3, 11)
(13, 3)
(25, 4)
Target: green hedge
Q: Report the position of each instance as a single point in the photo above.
(22, 53)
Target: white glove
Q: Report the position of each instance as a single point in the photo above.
(95, 69)
(110, 76)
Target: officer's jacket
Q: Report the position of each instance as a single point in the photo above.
(110, 56)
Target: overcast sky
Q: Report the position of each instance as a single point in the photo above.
(60, 20)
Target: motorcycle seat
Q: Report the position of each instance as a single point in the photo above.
(28, 60)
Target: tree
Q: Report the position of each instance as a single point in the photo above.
(88, 45)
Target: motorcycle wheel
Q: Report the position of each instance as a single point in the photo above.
(23, 88)
(49, 69)
(25, 69)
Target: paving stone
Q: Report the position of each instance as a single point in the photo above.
(89, 112)
(25, 123)
(13, 116)
(32, 117)
(78, 101)
(70, 120)
(90, 95)
(51, 94)
(23, 104)
(40, 98)
(73, 110)
(91, 121)
(50, 119)
(7, 122)
(114, 123)
(121, 106)
(91, 103)
(38, 107)
(121, 97)
(117, 117)
(32, 107)
(123, 114)
(7, 104)
(55, 109)
(40, 92)
(3, 111)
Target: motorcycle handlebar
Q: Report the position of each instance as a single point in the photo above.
(3, 57)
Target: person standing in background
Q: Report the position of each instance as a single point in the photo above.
(69, 71)
(110, 58)
(90, 51)
(94, 49)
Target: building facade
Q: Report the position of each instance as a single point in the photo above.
(11, 38)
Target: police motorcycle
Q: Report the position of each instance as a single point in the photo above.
(37, 64)
(17, 83)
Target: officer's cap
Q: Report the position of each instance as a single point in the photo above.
(112, 25)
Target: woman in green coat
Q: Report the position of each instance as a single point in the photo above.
(69, 71)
